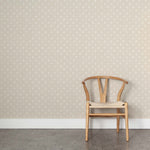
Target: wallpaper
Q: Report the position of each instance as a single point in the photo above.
(47, 47)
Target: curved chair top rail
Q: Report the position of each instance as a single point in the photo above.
(105, 77)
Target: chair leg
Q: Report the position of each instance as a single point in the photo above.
(126, 121)
(118, 120)
(87, 121)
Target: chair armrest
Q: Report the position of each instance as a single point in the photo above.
(120, 91)
(86, 91)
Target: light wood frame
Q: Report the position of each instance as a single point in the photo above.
(103, 95)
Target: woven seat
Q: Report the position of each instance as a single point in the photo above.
(118, 104)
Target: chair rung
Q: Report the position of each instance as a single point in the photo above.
(107, 115)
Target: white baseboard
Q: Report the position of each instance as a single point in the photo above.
(98, 123)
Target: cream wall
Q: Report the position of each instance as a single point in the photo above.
(47, 47)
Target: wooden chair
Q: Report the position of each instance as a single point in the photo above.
(103, 104)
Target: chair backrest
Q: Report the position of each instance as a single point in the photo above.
(103, 93)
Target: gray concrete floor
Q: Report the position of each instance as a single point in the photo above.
(73, 140)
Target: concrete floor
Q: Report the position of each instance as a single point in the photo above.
(73, 140)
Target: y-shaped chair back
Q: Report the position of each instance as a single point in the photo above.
(103, 93)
